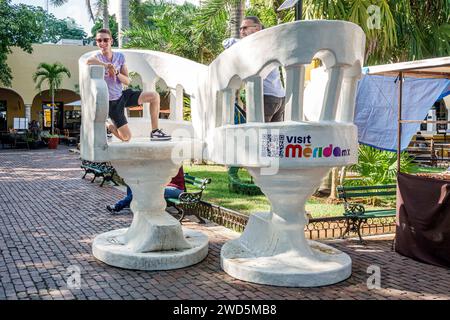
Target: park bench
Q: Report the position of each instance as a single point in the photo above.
(355, 213)
(187, 199)
(99, 169)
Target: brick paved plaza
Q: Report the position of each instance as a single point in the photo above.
(49, 217)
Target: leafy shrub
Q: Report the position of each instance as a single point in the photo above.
(377, 167)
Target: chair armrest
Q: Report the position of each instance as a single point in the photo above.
(95, 106)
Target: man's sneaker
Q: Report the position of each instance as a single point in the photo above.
(113, 209)
(159, 135)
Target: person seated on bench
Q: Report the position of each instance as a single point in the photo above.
(173, 190)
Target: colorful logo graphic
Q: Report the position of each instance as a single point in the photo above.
(281, 146)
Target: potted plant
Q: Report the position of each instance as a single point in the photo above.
(53, 141)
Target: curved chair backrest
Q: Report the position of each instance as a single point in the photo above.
(339, 45)
(180, 76)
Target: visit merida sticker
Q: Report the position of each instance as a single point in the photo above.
(284, 146)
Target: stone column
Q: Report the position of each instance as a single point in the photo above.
(28, 112)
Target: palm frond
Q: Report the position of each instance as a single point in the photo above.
(58, 3)
(211, 12)
(39, 84)
(89, 9)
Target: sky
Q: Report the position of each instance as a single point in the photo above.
(76, 9)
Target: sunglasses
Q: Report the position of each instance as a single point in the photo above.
(245, 27)
(100, 40)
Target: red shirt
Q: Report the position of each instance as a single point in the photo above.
(178, 180)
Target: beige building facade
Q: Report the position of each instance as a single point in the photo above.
(22, 99)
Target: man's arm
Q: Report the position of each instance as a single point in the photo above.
(108, 66)
(122, 75)
(94, 61)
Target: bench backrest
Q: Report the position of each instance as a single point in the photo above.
(197, 182)
(347, 192)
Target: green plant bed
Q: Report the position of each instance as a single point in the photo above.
(422, 169)
(242, 185)
(218, 193)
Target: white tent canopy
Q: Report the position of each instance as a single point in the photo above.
(75, 103)
(429, 68)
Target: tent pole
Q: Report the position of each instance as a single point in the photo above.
(399, 124)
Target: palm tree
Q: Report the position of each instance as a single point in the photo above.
(170, 28)
(101, 6)
(236, 17)
(57, 3)
(53, 75)
(124, 21)
(216, 11)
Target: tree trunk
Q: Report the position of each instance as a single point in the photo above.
(342, 175)
(236, 17)
(53, 110)
(324, 188)
(105, 14)
(89, 8)
(124, 22)
(334, 181)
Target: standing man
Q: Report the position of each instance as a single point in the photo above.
(274, 95)
(116, 75)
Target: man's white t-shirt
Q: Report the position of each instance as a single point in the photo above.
(272, 83)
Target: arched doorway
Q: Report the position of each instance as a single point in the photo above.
(67, 113)
(11, 106)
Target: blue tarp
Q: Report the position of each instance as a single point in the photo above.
(377, 108)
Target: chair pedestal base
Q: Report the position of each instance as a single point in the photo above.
(315, 265)
(108, 250)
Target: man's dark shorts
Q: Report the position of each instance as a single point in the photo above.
(129, 98)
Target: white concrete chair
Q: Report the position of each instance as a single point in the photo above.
(155, 240)
(286, 159)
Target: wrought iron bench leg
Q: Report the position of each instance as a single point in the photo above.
(200, 219)
(361, 240)
(347, 229)
(103, 181)
(179, 216)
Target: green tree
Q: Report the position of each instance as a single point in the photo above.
(57, 29)
(53, 29)
(52, 74)
(113, 27)
(214, 12)
(18, 28)
(100, 7)
(171, 28)
(409, 29)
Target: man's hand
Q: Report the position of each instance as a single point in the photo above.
(111, 70)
